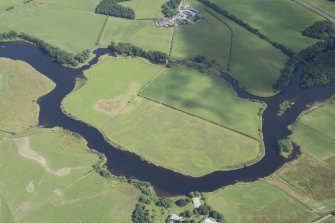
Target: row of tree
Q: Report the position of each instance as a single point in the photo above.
(52, 52)
(232, 17)
(320, 30)
(112, 8)
(170, 7)
(128, 49)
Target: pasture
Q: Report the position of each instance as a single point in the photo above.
(315, 133)
(55, 181)
(325, 5)
(146, 9)
(313, 178)
(88, 5)
(252, 57)
(157, 133)
(206, 96)
(281, 20)
(141, 33)
(25, 85)
(66, 28)
(258, 202)
(7, 3)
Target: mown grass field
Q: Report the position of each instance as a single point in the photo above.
(280, 20)
(206, 96)
(22, 86)
(146, 8)
(4, 4)
(315, 132)
(258, 202)
(325, 5)
(313, 178)
(88, 5)
(159, 134)
(55, 181)
(252, 58)
(142, 33)
(70, 29)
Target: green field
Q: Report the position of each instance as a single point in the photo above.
(281, 20)
(7, 3)
(141, 33)
(211, 38)
(315, 132)
(70, 29)
(146, 8)
(258, 202)
(55, 182)
(19, 109)
(325, 5)
(160, 134)
(3, 80)
(88, 5)
(206, 96)
(313, 178)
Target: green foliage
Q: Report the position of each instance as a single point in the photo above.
(144, 187)
(112, 8)
(204, 209)
(320, 30)
(141, 214)
(285, 147)
(164, 202)
(182, 202)
(283, 107)
(170, 7)
(128, 49)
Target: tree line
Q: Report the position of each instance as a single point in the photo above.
(320, 30)
(112, 8)
(128, 49)
(318, 72)
(240, 22)
(170, 7)
(52, 52)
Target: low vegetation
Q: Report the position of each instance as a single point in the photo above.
(284, 106)
(112, 8)
(321, 30)
(285, 147)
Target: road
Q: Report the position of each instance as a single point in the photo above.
(322, 219)
(316, 10)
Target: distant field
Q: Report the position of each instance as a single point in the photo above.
(89, 5)
(7, 3)
(325, 5)
(281, 20)
(207, 96)
(159, 134)
(69, 29)
(144, 34)
(19, 109)
(211, 38)
(3, 81)
(313, 178)
(258, 202)
(146, 8)
(315, 131)
(54, 183)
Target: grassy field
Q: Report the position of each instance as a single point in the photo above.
(211, 38)
(280, 20)
(146, 8)
(55, 182)
(206, 96)
(141, 33)
(7, 3)
(152, 130)
(325, 5)
(313, 178)
(69, 29)
(315, 132)
(88, 5)
(258, 202)
(18, 102)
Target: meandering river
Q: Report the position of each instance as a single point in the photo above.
(122, 163)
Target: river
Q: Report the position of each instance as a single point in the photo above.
(123, 163)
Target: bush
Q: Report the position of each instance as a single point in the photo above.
(164, 202)
(320, 30)
(170, 7)
(182, 202)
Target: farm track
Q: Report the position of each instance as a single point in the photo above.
(316, 10)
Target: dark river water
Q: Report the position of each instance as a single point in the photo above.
(122, 163)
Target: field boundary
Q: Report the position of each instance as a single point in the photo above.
(69, 7)
(316, 131)
(315, 9)
(172, 40)
(199, 117)
(231, 37)
(102, 31)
